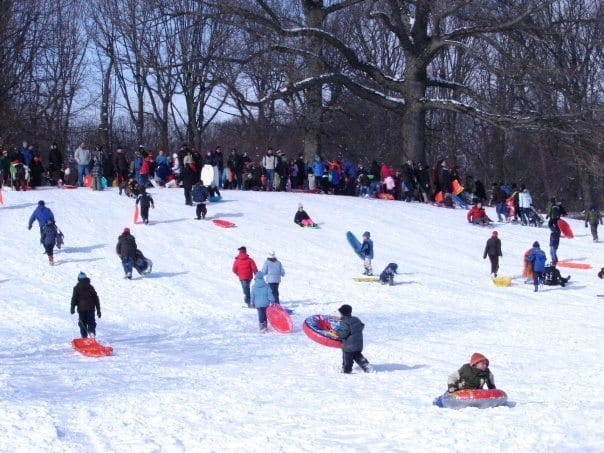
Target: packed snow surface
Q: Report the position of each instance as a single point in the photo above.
(191, 372)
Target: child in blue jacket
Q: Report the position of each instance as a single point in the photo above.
(537, 258)
(367, 253)
(261, 297)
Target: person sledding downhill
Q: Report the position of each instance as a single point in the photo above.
(245, 268)
(472, 375)
(49, 239)
(261, 297)
(367, 253)
(387, 275)
(87, 300)
(200, 195)
(351, 333)
(302, 218)
(126, 250)
(478, 216)
(145, 201)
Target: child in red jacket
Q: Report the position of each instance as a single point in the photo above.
(245, 268)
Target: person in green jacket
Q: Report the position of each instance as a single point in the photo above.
(594, 218)
(472, 375)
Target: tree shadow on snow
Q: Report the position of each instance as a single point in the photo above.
(155, 222)
(164, 274)
(20, 206)
(84, 249)
(218, 215)
(396, 367)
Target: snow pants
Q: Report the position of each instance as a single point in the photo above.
(245, 286)
(87, 323)
(349, 357)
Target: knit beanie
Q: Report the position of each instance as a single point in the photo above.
(82, 276)
(41, 203)
(366, 234)
(477, 357)
(345, 310)
(495, 233)
(536, 244)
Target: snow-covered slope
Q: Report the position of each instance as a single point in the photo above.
(191, 372)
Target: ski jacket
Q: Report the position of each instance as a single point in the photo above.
(273, 270)
(593, 217)
(538, 258)
(367, 248)
(269, 162)
(145, 200)
(41, 214)
(85, 298)
(49, 234)
(351, 332)
(199, 193)
(126, 246)
(301, 215)
(469, 377)
(388, 273)
(317, 167)
(476, 214)
(244, 266)
(261, 294)
(492, 247)
(524, 199)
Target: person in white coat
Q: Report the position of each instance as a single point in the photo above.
(273, 270)
(525, 201)
(82, 158)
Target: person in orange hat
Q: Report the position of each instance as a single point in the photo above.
(492, 249)
(473, 375)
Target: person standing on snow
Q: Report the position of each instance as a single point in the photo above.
(49, 239)
(146, 201)
(262, 296)
(273, 269)
(245, 268)
(200, 195)
(87, 300)
(492, 249)
(351, 332)
(126, 250)
(367, 253)
(537, 258)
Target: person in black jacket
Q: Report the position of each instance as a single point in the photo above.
(492, 249)
(126, 250)
(87, 300)
(351, 332)
(49, 239)
(200, 195)
(146, 201)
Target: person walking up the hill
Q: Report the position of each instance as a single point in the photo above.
(367, 253)
(200, 195)
(493, 251)
(145, 201)
(351, 333)
(245, 268)
(537, 258)
(262, 296)
(273, 269)
(42, 214)
(594, 218)
(49, 239)
(87, 300)
(126, 250)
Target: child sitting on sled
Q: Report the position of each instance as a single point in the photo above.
(387, 275)
(302, 218)
(473, 375)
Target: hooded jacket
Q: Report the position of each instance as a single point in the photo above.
(244, 266)
(41, 214)
(538, 258)
(126, 246)
(492, 247)
(85, 298)
(261, 293)
(273, 270)
(351, 332)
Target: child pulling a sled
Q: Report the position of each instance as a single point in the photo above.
(351, 332)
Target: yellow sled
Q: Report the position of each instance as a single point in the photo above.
(502, 281)
(366, 279)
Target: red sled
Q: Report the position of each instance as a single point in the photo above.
(136, 214)
(69, 186)
(223, 223)
(279, 318)
(565, 229)
(90, 347)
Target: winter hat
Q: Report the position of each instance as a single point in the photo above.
(126, 230)
(536, 244)
(366, 234)
(259, 275)
(242, 249)
(495, 233)
(41, 203)
(345, 310)
(478, 357)
(82, 276)
(271, 254)
(300, 206)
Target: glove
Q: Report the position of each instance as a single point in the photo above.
(98, 314)
(29, 227)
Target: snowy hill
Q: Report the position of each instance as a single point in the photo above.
(191, 372)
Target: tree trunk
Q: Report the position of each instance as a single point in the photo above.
(104, 130)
